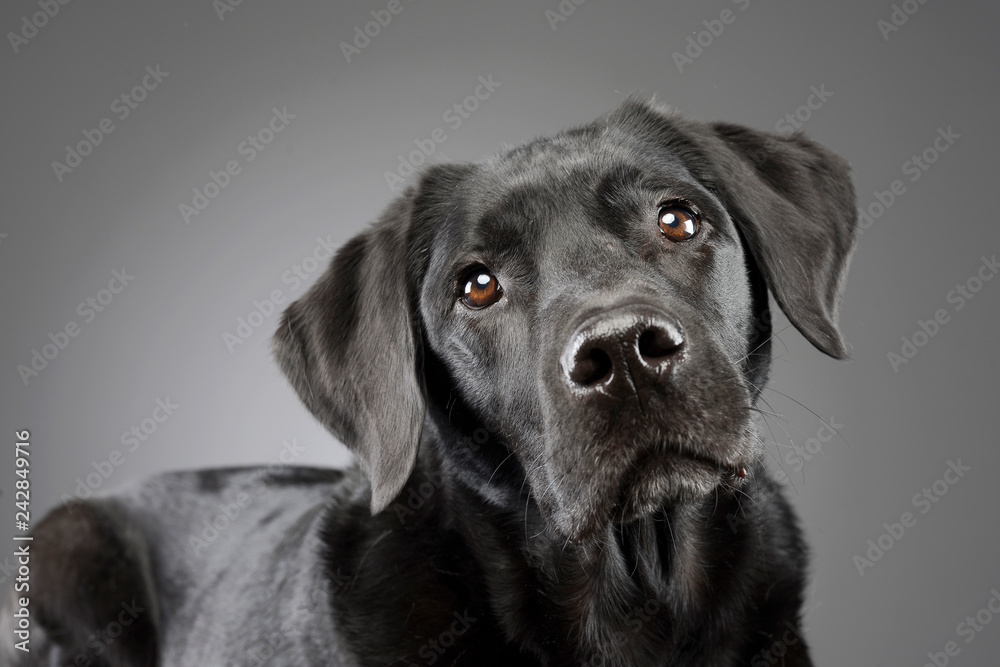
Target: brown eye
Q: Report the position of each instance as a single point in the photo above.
(678, 223)
(481, 289)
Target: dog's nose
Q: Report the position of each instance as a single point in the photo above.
(622, 351)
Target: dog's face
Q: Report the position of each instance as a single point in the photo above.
(596, 301)
(591, 303)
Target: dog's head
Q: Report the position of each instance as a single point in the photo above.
(596, 301)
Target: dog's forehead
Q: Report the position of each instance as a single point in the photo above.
(575, 160)
(529, 191)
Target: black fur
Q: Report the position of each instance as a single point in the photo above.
(504, 513)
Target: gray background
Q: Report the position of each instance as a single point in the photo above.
(162, 337)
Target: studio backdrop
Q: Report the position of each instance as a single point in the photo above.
(176, 173)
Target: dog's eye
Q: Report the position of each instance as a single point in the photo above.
(481, 289)
(678, 223)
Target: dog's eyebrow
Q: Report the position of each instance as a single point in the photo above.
(627, 186)
(625, 190)
(514, 223)
(620, 184)
(616, 189)
(628, 176)
(505, 246)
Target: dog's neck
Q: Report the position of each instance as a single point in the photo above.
(635, 591)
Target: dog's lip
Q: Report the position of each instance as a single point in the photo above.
(680, 462)
(670, 449)
(666, 475)
(653, 473)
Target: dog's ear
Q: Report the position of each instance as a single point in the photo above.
(794, 204)
(350, 347)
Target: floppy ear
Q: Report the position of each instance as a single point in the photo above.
(795, 205)
(349, 347)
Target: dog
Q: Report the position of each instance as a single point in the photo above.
(546, 365)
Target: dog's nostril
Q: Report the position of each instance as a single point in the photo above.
(592, 366)
(658, 342)
(621, 352)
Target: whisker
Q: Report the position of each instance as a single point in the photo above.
(762, 344)
(815, 414)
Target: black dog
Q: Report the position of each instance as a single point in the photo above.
(546, 365)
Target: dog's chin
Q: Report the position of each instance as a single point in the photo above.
(658, 481)
(667, 481)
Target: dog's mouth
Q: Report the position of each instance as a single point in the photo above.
(644, 480)
(669, 474)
